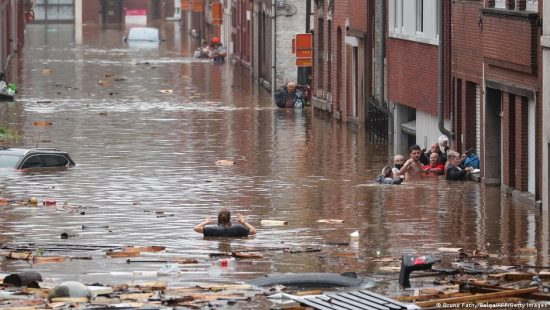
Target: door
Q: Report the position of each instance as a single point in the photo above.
(492, 150)
(531, 181)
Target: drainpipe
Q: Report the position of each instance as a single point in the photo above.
(273, 47)
(381, 70)
(441, 78)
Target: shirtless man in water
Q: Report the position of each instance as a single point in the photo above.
(412, 169)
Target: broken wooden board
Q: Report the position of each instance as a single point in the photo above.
(165, 260)
(224, 287)
(519, 276)
(390, 268)
(225, 162)
(273, 223)
(42, 124)
(135, 296)
(152, 249)
(26, 255)
(48, 259)
(330, 221)
(70, 299)
(477, 297)
(151, 285)
(246, 255)
(450, 250)
(38, 292)
(115, 254)
(306, 250)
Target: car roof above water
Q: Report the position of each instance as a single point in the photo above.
(143, 34)
(23, 151)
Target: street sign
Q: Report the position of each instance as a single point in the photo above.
(185, 5)
(303, 46)
(304, 62)
(217, 13)
(303, 53)
(197, 5)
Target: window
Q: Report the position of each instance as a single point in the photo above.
(33, 161)
(501, 4)
(419, 15)
(329, 60)
(437, 7)
(54, 161)
(532, 5)
(395, 15)
(320, 52)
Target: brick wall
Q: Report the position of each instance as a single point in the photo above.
(332, 60)
(412, 74)
(501, 30)
(467, 57)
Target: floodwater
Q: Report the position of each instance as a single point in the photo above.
(146, 172)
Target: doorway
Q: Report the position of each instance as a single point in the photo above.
(492, 154)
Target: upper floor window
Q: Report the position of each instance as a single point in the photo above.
(414, 20)
(420, 16)
(501, 4)
(532, 5)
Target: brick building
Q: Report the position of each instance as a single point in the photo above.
(343, 58)
(497, 102)
(545, 41)
(412, 71)
(12, 25)
(113, 12)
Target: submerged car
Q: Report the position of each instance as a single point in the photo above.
(143, 37)
(22, 159)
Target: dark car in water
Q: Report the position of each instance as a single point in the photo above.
(22, 159)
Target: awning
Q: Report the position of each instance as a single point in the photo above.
(409, 127)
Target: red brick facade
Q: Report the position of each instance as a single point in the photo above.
(412, 74)
(508, 60)
(241, 31)
(333, 58)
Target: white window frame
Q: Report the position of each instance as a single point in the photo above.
(402, 18)
(500, 4)
(532, 6)
(419, 16)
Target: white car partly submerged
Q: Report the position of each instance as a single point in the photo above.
(143, 37)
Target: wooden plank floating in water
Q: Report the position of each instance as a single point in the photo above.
(478, 297)
(273, 223)
(330, 221)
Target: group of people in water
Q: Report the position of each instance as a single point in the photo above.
(214, 51)
(439, 160)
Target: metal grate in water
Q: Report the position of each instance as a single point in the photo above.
(352, 300)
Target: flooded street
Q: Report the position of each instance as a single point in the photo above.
(146, 172)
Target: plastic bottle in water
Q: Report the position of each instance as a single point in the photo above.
(225, 262)
(169, 270)
(221, 266)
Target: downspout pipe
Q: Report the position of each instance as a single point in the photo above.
(441, 78)
(380, 54)
(273, 47)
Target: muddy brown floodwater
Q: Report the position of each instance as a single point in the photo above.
(146, 168)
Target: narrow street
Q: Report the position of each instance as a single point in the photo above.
(146, 128)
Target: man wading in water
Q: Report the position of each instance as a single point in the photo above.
(224, 227)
